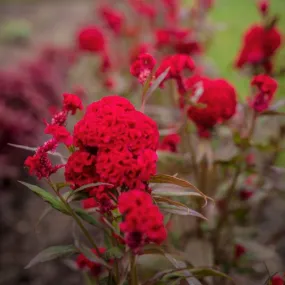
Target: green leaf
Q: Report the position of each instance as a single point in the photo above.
(207, 272)
(51, 253)
(164, 178)
(87, 218)
(47, 197)
(89, 254)
(183, 211)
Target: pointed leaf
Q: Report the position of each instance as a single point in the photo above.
(114, 252)
(51, 253)
(207, 272)
(175, 193)
(47, 197)
(164, 178)
(88, 218)
(183, 211)
(272, 113)
(156, 83)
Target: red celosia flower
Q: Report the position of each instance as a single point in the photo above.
(277, 280)
(239, 251)
(179, 65)
(263, 6)
(172, 8)
(143, 222)
(170, 143)
(59, 118)
(60, 134)
(179, 40)
(113, 18)
(121, 167)
(266, 88)
(245, 194)
(102, 195)
(142, 67)
(39, 164)
(89, 203)
(259, 45)
(71, 103)
(80, 169)
(109, 83)
(218, 98)
(84, 263)
(250, 159)
(138, 50)
(113, 121)
(145, 9)
(91, 39)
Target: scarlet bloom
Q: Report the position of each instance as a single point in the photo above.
(170, 143)
(259, 46)
(277, 280)
(84, 263)
(239, 251)
(180, 66)
(265, 90)
(60, 134)
(145, 9)
(80, 169)
(142, 67)
(178, 40)
(71, 103)
(39, 164)
(138, 50)
(89, 203)
(113, 121)
(143, 222)
(263, 6)
(121, 167)
(113, 19)
(91, 39)
(217, 99)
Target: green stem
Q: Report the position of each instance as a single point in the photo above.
(75, 217)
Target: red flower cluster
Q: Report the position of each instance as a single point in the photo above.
(84, 263)
(117, 146)
(170, 143)
(259, 46)
(177, 40)
(143, 222)
(91, 39)
(112, 18)
(39, 164)
(218, 102)
(180, 66)
(266, 88)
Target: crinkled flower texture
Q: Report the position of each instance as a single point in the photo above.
(91, 39)
(259, 45)
(265, 89)
(180, 67)
(218, 101)
(94, 268)
(142, 67)
(142, 222)
(117, 145)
